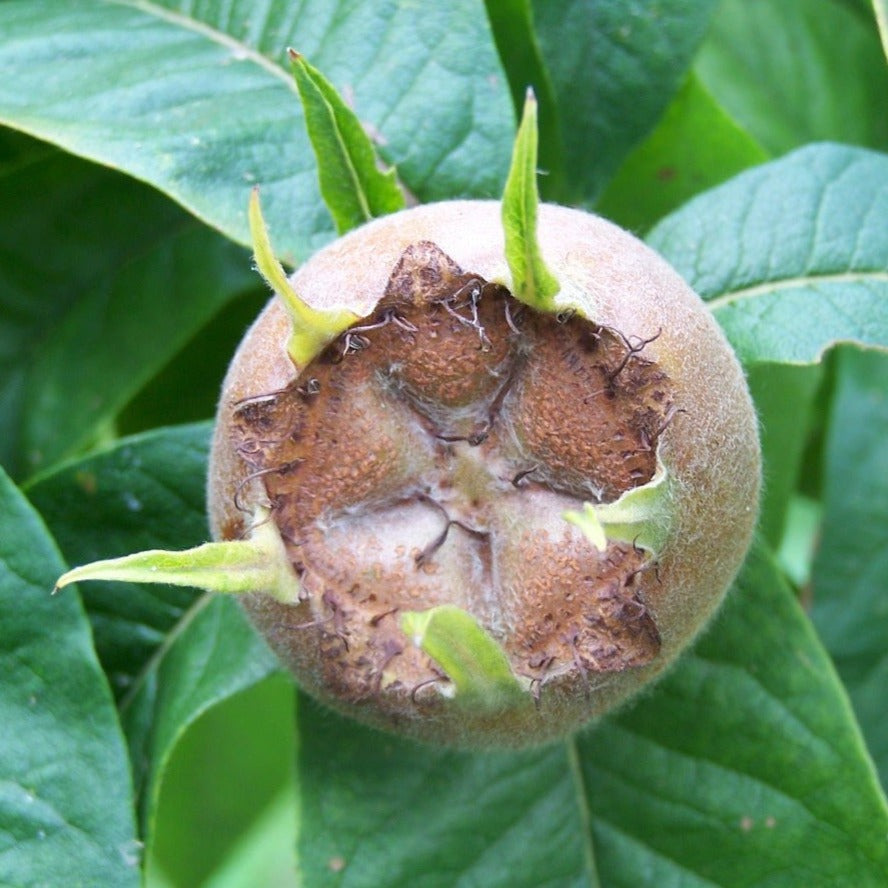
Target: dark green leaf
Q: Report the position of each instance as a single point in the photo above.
(197, 99)
(614, 68)
(744, 767)
(354, 190)
(850, 581)
(694, 147)
(101, 281)
(379, 810)
(66, 813)
(172, 654)
(512, 25)
(796, 71)
(187, 389)
(793, 255)
(145, 492)
(726, 774)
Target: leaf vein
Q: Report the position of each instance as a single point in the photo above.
(767, 288)
(241, 49)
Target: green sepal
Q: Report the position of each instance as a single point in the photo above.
(476, 664)
(311, 329)
(641, 516)
(532, 282)
(258, 564)
(352, 185)
(881, 9)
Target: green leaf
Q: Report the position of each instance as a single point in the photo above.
(850, 578)
(197, 99)
(532, 282)
(695, 146)
(145, 492)
(381, 810)
(698, 783)
(880, 8)
(226, 805)
(212, 654)
(743, 767)
(796, 71)
(352, 186)
(66, 813)
(792, 256)
(614, 68)
(187, 388)
(102, 282)
(173, 656)
(472, 659)
(519, 51)
(641, 516)
(784, 435)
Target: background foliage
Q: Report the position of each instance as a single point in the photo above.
(148, 734)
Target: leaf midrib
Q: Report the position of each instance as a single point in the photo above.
(243, 50)
(585, 814)
(800, 282)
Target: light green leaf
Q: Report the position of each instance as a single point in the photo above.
(212, 654)
(614, 68)
(640, 516)
(697, 783)
(352, 186)
(226, 811)
(103, 280)
(850, 579)
(532, 282)
(792, 256)
(784, 434)
(880, 7)
(197, 99)
(695, 146)
(66, 815)
(796, 71)
(476, 664)
(144, 492)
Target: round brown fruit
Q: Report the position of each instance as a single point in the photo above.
(429, 455)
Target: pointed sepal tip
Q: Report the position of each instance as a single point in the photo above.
(533, 283)
(311, 328)
(256, 565)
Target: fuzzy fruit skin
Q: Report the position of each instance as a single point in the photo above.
(711, 450)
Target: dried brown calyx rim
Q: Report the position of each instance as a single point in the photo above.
(458, 448)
